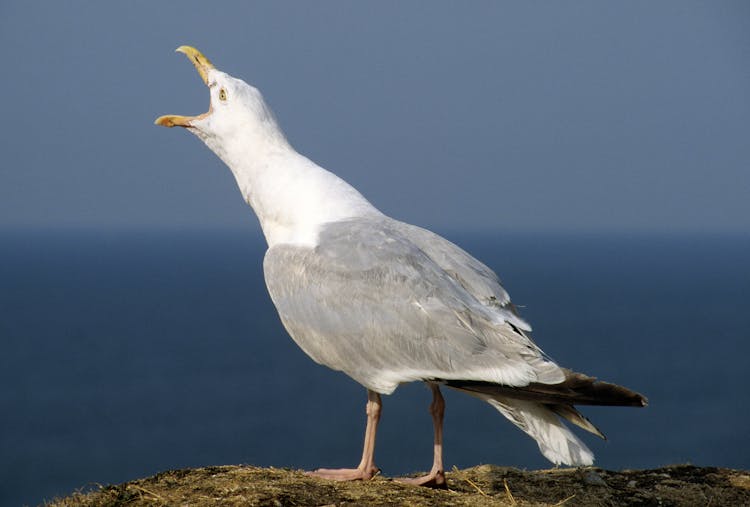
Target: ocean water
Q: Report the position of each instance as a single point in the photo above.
(126, 353)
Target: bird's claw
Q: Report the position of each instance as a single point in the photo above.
(345, 474)
(435, 479)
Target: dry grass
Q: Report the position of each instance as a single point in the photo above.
(484, 485)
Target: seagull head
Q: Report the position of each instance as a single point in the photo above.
(237, 117)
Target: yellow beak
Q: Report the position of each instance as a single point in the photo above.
(202, 65)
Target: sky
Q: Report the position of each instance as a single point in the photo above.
(467, 116)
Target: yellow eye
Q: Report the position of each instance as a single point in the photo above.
(222, 94)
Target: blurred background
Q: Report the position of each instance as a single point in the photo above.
(594, 154)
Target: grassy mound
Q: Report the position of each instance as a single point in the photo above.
(485, 485)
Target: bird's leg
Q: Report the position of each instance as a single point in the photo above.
(436, 477)
(366, 469)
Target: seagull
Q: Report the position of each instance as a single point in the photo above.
(384, 301)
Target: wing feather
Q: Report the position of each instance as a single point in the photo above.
(370, 301)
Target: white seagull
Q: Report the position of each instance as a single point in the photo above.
(383, 301)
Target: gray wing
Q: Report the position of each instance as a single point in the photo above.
(478, 279)
(369, 301)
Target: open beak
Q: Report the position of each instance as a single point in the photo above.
(202, 65)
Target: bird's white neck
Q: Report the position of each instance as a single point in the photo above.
(291, 195)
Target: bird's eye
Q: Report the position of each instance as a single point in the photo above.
(222, 94)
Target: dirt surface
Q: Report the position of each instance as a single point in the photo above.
(485, 485)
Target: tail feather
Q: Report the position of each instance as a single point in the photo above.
(537, 409)
(556, 442)
(576, 389)
(569, 413)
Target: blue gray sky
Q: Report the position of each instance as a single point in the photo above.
(541, 116)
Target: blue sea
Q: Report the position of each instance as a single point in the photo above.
(125, 353)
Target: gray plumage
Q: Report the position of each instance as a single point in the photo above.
(386, 302)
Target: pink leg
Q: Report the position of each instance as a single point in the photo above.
(366, 469)
(436, 477)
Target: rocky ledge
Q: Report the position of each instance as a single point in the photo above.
(485, 485)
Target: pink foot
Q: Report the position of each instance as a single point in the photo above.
(435, 479)
(344, 474)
